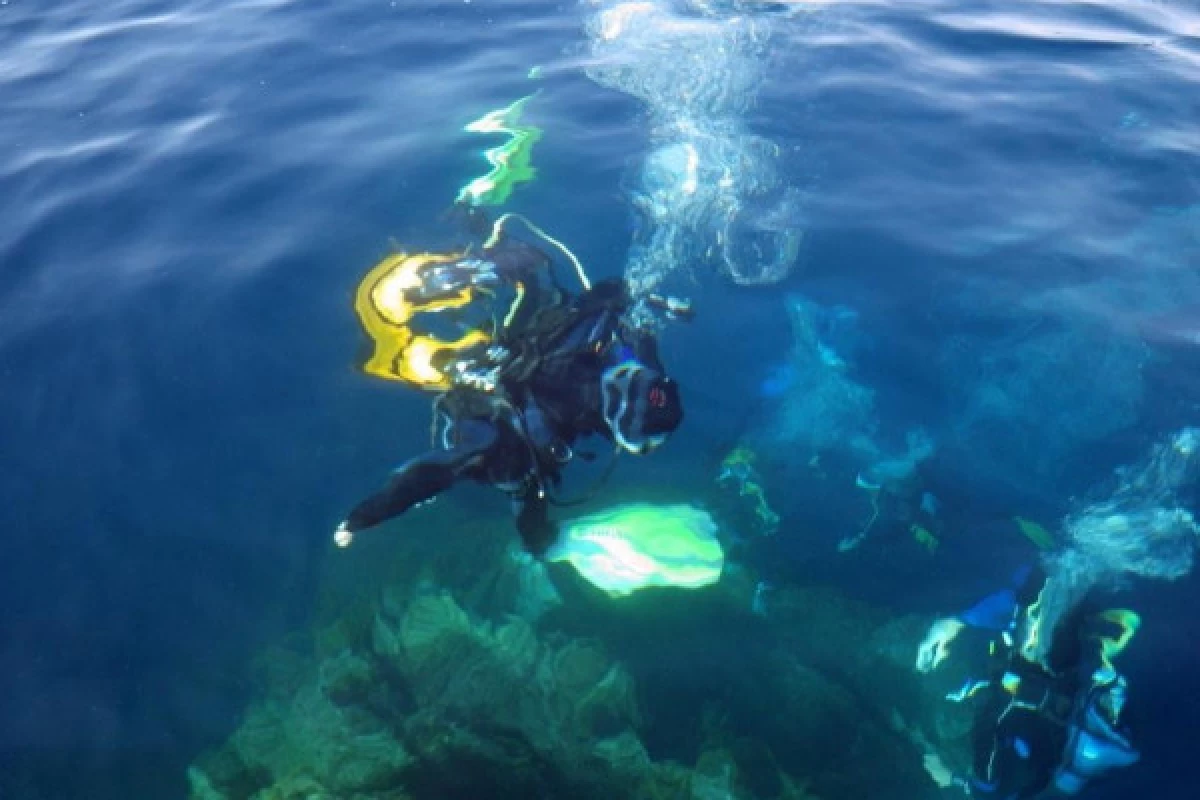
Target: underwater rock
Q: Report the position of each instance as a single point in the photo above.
(496, 710)
(344, 750)
(434, 634)
(920, 711)
(535, 594)
(308, 747)
(840, 670)
(625, 755)
(203, 779)
(553, 693)
(346, 677)
(493, 709)
(715, 776)
(442, 703)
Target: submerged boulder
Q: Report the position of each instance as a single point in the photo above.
(708, 700)
(444, 705)
(306, 745)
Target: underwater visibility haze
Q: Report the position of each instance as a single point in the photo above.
(922, 278)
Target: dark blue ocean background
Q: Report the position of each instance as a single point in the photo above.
(190, 192)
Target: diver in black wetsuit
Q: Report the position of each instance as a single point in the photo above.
(561, 368)
(1044, 727)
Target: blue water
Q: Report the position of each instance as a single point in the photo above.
(191, 191)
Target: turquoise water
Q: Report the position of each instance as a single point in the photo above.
(1005, 194)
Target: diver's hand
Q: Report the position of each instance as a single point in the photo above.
(674, 307)
(343, 536)
(936, 646)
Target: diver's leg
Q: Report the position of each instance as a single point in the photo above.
(418, 480)
(1026, 747)
(987, 745)
(421, 479)
(533, 522)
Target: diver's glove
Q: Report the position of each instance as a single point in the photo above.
(934, 649)
(675, 308)
(343, 536)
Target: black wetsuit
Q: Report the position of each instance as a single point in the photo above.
(519, 436)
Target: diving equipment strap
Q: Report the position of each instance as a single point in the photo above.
(536, 470)
(498, 229)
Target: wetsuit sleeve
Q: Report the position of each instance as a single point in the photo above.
(425, 476)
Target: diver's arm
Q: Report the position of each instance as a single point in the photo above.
(993, 613)
(675, 308)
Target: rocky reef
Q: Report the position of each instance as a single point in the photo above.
(443, 705)
(439, 689)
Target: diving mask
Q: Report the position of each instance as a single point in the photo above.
(640, 405)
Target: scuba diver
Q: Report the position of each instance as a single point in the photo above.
(1042, 728)
(514, 395)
